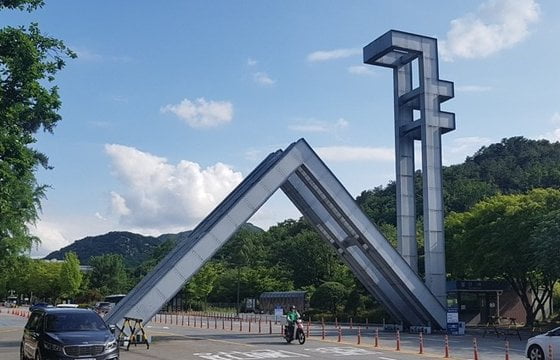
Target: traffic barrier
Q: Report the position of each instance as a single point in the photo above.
(359, 336)
(339, 334)
(376, 342)
(446, 347)
(398, 341)
(421, 344)
(475, 349)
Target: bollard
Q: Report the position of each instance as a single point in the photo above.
(188, 320)
(507, 350)
(339, 334)
(165, 318)
(201, 321)
(231, 324)
(194, 321)
(260, 326)
(183, 319)
(366, 323)
(446, 347)
(359, 336)
(249, 324)
(376, 342)
(323, 331)
(335, 322)
(398, 341)
(270, 326)
(223, 323)
(240, 324)
(176, 319)
(550, 352)
(421, 344)
(475, 349)
(308, 324)
(207, 322)
(350, 323)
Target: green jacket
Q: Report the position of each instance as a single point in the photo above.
(292, 316)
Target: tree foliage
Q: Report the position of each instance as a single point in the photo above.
(328, 296)
(109, 274)
(29, 61)
(70, 277)
(506, 236)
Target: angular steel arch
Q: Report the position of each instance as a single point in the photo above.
(322, 199)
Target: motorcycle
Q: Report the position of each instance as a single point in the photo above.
(295, 332)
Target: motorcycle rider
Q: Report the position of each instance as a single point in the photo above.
(292, 316)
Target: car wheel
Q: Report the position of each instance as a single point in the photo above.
(536, 353)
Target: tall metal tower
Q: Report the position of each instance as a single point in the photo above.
(418, 117)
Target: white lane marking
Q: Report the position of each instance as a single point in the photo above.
(254, 354)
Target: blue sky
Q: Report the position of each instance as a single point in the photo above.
(170, 104)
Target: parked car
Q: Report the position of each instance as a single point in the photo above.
(67, 333)
(39, 305)
(539, 346)
(103, 306)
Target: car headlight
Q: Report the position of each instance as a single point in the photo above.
(53, 347)
(111, 345)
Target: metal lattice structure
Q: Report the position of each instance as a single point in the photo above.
(326, 204)
(398, 51)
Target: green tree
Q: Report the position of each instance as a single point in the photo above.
(70, 277)
(28, 64)
(505, 237)
(109, 274)
(202, 283)
(329, 296)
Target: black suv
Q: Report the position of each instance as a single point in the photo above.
(66, 333)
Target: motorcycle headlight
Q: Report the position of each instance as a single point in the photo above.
(111, 345)
(51, 346)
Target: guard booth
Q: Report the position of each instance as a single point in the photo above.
(283, 299)
(480, 302)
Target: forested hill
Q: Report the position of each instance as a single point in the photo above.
(134, 248)
(514, 165)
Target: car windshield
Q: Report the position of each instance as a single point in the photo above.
(85, 321)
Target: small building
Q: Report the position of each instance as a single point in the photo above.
(480, 301)
(268, 301)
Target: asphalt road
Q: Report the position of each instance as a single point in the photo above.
(171, 342)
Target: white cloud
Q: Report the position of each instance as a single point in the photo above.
(262, 78)
(332, 54)
(251, 62)
(473, 88)
(351, 153)
(462, 147)
(497, 25)
(163, 197)
(201, 113)
(553, 135)
(317, 126)
(362, 70)
(51, 238)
